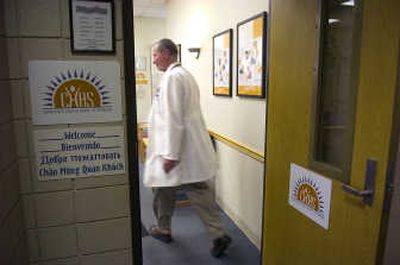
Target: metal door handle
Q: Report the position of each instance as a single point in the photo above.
(355, 192)
(368, 193)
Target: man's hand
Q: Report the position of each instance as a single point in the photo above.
(168, 164)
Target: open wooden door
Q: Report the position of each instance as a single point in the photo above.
(332, 81)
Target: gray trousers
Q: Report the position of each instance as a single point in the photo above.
(202, 200)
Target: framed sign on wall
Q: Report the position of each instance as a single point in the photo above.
(222, 63)
(179, 55)
(70, 92)
(92, 26)
(251, 56)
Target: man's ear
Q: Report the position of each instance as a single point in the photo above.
(165, 52)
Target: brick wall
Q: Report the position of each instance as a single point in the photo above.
(71, 221)
(12, 236)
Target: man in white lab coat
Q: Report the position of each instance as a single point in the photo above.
(180, 153)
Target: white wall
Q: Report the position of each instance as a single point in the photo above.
(239, 185)
(147, 31)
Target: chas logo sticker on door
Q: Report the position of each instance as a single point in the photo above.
(310, 194)
(75, 92)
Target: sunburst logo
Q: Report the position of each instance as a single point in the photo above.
(308, 192)
(76, 89)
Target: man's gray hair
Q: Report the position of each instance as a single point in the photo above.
(167, 44)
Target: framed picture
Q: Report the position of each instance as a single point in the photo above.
(155, 77)
(179, 56)
(251, 56)
(140, 63)
(222, 63)
(92, 26)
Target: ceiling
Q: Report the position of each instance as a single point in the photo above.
(149, 8)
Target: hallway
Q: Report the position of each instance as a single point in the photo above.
(191, 244)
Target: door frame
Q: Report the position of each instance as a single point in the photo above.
(388, 250)
(132, 140)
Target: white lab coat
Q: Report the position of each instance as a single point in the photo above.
(177, 131)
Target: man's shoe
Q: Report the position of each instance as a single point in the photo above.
(220, 245)
(160, 234)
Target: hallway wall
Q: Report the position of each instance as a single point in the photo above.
(147, 31)
(70, 221)
(239, 184)
(12, 237)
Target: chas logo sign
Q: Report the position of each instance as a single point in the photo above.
(310, 194)
(75, 92)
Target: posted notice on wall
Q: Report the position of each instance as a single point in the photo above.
(310, 194)
(79, 152)
(68, 92)
(92, 25)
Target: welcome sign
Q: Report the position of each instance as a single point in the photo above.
(64, 92)
(79, 152)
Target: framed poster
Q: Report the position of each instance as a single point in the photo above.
(251, 56)
(179, 55)
(222, 63)
(140, 63)
(92, 26)
(155, 77)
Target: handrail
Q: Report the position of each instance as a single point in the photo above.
(237, 146)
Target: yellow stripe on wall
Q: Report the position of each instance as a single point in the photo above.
(237, 146)
(142, 82)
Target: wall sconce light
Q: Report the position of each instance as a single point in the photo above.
(195, 50)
